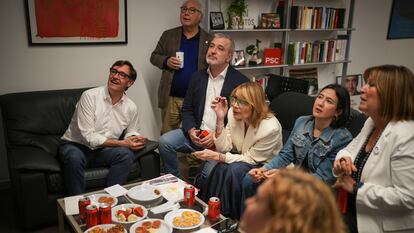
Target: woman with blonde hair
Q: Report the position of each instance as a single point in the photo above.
(251, 138)
(376, 170)
(292, 201)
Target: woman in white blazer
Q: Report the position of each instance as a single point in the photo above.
(251, 137)
(376, 170)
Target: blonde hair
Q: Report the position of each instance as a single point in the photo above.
(301, 203)
(395, 85)
(253, 94)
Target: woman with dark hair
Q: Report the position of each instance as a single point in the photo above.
(314, 142)
(376, 170)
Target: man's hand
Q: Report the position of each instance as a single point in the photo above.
(269, 173)
(257, 174)
(136, 142)
(207, 154)
(174, 63)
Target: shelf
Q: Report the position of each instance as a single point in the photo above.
(319, 63)
(321, 30)
(251, 30)
(258, 67)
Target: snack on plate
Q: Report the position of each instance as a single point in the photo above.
(148, 226)
(187, 219)
(106, 199)
(157, 192)
(115, 229)
(129, 214)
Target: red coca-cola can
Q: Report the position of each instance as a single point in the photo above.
(105, 216)
(92, 215)
(213, 208)
(83, 202)
(189, 195)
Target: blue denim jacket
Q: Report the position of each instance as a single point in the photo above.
(321, 151)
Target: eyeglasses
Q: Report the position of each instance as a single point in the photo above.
(121, 74)
(240, 102)
(190, 10)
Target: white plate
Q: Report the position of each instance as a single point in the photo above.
(103, 226)
(164, 228)
(169, 217)
(144, 193)
(95, 197)
(124, 207)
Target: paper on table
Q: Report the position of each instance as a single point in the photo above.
(71, 205)
(116, 190)
(168, 206)
(206, 230)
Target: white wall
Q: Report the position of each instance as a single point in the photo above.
(25, 68)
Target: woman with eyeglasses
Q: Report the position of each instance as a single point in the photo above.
(313, 143)
(251, 137)
(292, 201)
(376, 170)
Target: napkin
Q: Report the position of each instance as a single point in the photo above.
(168, 206)
(71, 205)
(206, 230)
(116, 190)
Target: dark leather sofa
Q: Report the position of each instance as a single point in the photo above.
(33, 123)
(288, 106)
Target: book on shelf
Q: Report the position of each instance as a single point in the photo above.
(305, 17)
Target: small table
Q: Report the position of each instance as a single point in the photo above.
(79, 226)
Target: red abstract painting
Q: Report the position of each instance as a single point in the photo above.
(77, 18)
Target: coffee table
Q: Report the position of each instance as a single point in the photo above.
(78, 226)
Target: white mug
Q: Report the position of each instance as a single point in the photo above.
(180, 55)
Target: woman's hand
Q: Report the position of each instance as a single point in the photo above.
(269, 173)
(220, 107)
(344, 166)
(207, 154)
(257, 174)
(346, 182)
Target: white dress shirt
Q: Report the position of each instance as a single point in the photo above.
(95, 119)
(214, 86)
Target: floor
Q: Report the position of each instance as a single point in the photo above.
(9, 221)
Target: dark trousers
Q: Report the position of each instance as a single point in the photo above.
(75, 158)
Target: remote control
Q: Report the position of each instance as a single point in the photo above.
(165, 180)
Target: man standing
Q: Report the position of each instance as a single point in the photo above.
(193, 41)
(92, 138)
(218, 80)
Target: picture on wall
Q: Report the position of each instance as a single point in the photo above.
(401, 24)
(353, 84)
(64, 22)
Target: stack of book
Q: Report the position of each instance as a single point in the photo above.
(303, 17)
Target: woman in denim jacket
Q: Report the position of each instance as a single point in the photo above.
(314, 142)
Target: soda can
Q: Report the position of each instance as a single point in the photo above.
(213, 208)
(105, 216)
(83, 202)
(189, 195)
(92, 216)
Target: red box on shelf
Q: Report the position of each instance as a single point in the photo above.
(272, 56)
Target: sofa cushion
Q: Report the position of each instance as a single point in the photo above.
(40, 118)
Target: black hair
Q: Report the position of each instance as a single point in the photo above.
(133, 75)
(344, 104)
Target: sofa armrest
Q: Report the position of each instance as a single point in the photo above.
(32, 158)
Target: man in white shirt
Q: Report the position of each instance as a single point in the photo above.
(93, 137)
(218, 80)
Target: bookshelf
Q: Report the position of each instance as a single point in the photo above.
(310, 32)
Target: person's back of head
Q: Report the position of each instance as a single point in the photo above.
(300, 203)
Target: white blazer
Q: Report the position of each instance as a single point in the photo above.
(385, 203)
(256, 146)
